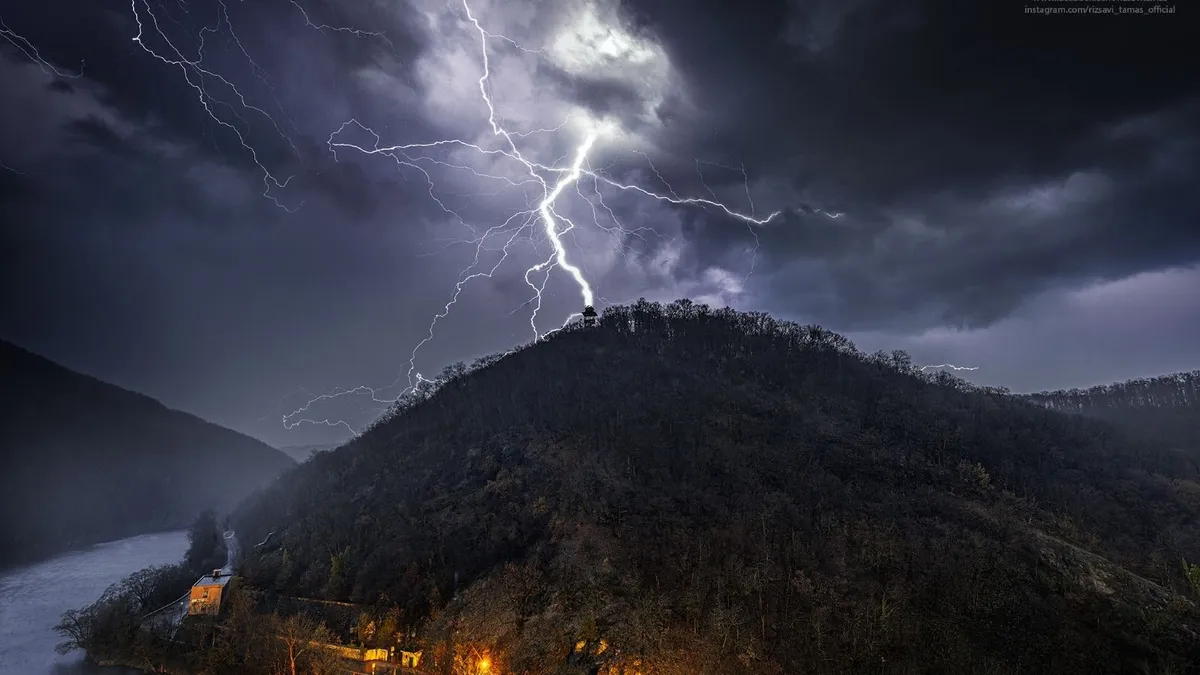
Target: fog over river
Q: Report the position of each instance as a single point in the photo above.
(33, 598)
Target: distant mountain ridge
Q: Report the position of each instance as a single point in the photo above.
(1175, 390)
(84, 461)
(303, 453)
(1165, 408)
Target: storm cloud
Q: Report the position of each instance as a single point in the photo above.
(183, 213)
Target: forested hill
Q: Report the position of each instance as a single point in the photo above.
(83, 461)
(1166, 408)
(688, 490)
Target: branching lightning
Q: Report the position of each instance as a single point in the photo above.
(343, 29)
(198, 76)
(550, 181)
(950, 366)
(34, 55)
(12, 170)
(545, 186)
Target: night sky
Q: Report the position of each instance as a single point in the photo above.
(181, 214)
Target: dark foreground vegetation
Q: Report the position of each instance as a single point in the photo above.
(83, 461)
(140, 623)
(691, 491)
(245, 641)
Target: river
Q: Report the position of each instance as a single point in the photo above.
(33, 597)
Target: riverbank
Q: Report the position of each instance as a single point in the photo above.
(13, 562)
(34, 596)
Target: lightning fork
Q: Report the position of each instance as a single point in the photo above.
(195, 74)
(344, 29)
(949, 366)
(12, 170)
(28, 49)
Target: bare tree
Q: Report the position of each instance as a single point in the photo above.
(301, 638)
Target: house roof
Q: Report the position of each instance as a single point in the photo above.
(208, 580)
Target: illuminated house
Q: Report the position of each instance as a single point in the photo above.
(589, 316)
(410, 659)
(205, 597)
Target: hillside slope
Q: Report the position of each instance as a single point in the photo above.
(83, 461)
(1165, 408)
(682, 490)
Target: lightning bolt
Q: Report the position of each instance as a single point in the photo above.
(12, 170)
(950, 366)
(29, 50)
(545, 186)
(551, 183)
(344, 29)
(199, 77)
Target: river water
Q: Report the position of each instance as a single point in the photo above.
(33, 598)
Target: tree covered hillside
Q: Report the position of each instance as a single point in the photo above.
(1165, 408)
(83, 461)
(687, 490)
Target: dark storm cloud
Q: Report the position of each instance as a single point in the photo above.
(909, 95)
(928, 112)
(600, 95)
(162, 99)
(97, 133)
(1136, 327)
(970, 264)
